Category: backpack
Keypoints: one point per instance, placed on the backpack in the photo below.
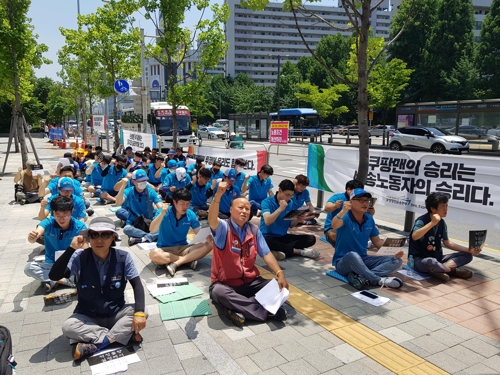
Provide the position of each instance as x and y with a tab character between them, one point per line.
7	362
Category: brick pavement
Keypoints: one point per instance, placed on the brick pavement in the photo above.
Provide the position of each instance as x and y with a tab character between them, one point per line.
453	326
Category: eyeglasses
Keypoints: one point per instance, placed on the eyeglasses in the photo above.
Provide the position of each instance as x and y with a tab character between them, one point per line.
103	235
362	200
62	217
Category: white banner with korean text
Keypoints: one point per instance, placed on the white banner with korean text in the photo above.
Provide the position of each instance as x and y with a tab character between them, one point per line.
138	141
404	179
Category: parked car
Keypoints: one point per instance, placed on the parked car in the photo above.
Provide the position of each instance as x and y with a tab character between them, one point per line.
352	130
418	138
336	129
494	132
378	130
469	131
211	132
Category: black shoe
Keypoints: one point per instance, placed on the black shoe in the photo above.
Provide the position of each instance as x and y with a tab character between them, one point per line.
90	212
135	339
134	241
83	350
172	268
280	315
356	281
237	318
122	223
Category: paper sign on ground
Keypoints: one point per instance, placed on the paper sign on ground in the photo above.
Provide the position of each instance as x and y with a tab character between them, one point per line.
201	236
147	245
414	275
271	298
161	290
173	282
375	302
112	361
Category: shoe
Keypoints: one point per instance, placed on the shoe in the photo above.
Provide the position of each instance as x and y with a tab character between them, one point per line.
463	273
237	318
193	264
68	282
440	275
50	286
136	338
90	212
83	350
310	222
310	253
280	315
279	255
122	223
172	268
202	214
134	241
391	282
356	281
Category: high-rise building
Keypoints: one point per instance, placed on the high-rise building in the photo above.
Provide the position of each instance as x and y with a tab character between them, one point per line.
257	38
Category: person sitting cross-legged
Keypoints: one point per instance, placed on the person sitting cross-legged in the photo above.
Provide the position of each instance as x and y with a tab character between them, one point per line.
101	272
427	237
354	227
172	224
235	279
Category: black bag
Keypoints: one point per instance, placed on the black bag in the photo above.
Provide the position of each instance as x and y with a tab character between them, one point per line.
7	361
143	222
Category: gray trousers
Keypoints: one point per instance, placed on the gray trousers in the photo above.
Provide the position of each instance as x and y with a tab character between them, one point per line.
38	271
81	328
241	298
433	265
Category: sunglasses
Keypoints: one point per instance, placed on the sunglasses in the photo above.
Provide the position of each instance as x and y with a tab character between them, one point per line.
103	235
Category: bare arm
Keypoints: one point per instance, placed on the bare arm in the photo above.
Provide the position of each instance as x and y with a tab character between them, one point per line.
18	175
330	206
457	247
35	234
419	233
337	220
43	213
121	190
269	218
272	263
213	211
158	173
244	187
89	170
155	224
270	192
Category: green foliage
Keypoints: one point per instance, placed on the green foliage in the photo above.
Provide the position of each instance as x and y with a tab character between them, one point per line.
322	99
488	57
132	119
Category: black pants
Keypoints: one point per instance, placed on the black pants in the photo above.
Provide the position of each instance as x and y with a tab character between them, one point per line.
288	242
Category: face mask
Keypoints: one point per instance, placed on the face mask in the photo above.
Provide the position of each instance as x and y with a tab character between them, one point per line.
119	167
172	169
215	171
142	185
239	169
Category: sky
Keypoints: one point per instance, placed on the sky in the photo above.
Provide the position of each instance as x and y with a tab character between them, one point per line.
48	15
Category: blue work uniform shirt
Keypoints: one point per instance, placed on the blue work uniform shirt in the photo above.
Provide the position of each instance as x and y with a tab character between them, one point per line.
151	174
280	226
171	180
228	196
257	189
217	176
57	239
52	186
240	178
109	181
96	175
334	198
136	203
353	236
199	194
299	199
79	209
174	232
220	236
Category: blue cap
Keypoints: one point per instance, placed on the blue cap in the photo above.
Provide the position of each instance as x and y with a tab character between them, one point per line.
358	193
181	164
140	175
65	183
231	174
171	152
172	164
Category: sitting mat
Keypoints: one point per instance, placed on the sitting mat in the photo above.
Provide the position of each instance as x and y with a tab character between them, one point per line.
114	209
181	292
337	276
324	239
184	309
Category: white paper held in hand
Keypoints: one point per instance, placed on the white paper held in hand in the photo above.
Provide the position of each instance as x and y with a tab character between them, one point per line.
271	298
201	236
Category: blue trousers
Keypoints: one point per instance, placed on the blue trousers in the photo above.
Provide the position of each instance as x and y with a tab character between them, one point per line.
370	267
131	231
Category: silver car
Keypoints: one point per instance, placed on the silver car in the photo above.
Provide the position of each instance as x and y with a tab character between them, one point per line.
210	132
427	139
378	131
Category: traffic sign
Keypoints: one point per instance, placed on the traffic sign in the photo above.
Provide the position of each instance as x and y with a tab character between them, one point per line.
121	86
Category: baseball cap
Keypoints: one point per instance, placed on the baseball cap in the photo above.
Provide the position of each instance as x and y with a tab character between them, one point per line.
230	173
65	183
140	175
171	152
180	173
358	193
181	164
100	224
172	164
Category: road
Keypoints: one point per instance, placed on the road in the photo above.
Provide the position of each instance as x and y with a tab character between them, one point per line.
291	160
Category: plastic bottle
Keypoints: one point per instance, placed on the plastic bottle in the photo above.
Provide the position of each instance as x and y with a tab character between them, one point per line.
411	265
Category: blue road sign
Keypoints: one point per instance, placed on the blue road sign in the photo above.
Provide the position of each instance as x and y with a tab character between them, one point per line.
121	86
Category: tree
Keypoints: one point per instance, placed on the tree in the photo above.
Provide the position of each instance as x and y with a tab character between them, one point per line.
19	53
451	40
322	99
488	56
176	43
410	45
41	89
290	77
359	14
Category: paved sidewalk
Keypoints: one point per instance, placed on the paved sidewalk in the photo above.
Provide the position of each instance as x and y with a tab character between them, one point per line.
427	327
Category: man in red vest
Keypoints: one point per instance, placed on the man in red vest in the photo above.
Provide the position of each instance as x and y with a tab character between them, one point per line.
235	278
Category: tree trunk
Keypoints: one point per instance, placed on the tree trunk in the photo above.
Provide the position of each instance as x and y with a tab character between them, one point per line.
364	151
172	100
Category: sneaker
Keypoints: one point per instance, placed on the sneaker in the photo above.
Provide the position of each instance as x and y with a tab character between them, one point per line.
310	253
90	212
279	255
83	350
202	214
193	264
356	281
463	273
440	275
310	222
237	318
280	315
50	286
134	241
102	201
172	268
136	338
68	282
391	282
122	223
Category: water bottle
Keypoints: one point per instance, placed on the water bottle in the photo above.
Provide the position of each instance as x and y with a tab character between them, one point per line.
411	265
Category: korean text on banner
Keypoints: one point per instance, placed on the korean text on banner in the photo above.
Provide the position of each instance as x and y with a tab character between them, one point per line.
138	141
279	132
255	158
99	122
403	180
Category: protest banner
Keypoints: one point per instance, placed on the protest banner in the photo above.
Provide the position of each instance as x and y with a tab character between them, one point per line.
255	158
403	180
138	141
279	133
99	122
